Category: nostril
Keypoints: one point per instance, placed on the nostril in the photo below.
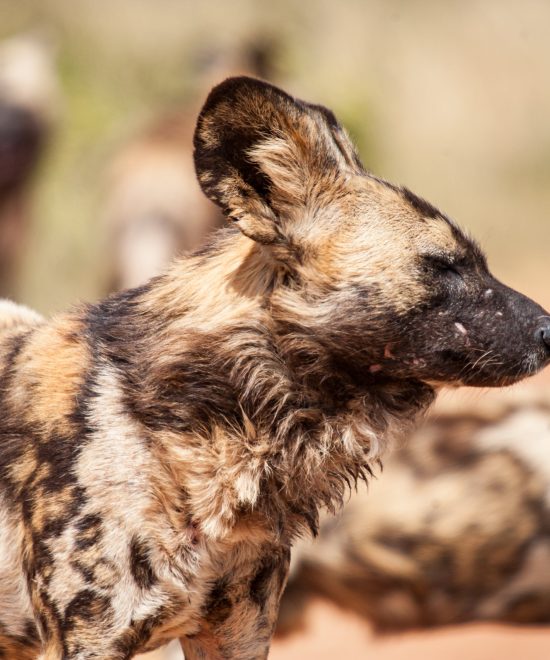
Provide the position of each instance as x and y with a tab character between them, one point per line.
544	335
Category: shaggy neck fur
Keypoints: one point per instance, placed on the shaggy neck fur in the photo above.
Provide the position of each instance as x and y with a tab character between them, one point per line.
234	395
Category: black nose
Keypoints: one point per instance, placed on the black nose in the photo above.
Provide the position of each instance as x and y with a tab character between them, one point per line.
544	334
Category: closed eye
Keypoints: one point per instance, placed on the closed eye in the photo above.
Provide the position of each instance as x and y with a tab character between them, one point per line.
443	266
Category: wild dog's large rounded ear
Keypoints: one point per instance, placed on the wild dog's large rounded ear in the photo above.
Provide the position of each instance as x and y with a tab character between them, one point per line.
260	153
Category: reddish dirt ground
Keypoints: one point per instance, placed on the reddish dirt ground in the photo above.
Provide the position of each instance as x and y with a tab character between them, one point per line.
331	633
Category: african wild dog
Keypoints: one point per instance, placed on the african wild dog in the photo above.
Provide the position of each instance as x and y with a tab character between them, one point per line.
161	449
456	530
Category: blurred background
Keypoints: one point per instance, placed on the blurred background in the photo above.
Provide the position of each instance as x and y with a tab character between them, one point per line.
450	98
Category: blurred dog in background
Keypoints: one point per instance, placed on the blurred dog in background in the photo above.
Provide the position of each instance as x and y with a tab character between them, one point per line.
154	207
29	98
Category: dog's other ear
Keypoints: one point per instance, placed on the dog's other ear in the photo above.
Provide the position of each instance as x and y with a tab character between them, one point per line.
261	155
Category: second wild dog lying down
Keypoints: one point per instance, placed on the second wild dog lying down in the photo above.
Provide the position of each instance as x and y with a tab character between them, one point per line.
161	450
456	529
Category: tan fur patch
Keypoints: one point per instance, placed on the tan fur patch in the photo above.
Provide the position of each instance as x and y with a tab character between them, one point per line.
52	368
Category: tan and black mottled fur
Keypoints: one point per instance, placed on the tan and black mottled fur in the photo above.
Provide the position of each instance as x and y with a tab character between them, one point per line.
160	450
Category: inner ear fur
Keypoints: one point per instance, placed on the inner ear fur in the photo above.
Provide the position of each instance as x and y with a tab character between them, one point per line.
259	152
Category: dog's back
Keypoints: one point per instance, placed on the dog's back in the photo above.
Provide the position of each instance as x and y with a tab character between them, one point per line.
16	317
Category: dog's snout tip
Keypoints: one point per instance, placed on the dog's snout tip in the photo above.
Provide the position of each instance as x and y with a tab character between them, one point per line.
543	334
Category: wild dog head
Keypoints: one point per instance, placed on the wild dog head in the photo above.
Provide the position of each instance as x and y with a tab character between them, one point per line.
375	280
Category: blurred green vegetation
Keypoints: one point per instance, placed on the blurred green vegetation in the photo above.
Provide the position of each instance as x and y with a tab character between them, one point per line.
422	86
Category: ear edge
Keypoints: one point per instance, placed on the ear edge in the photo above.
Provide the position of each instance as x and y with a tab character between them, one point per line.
234	86
340	136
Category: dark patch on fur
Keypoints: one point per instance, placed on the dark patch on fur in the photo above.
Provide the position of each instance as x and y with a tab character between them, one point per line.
86	606
11	444
43	560
88	531
140	565
53	527
137	635
260	584
60	455
218	606
19	644
16	345
31	633
114	317
87	392
188	394
87	572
